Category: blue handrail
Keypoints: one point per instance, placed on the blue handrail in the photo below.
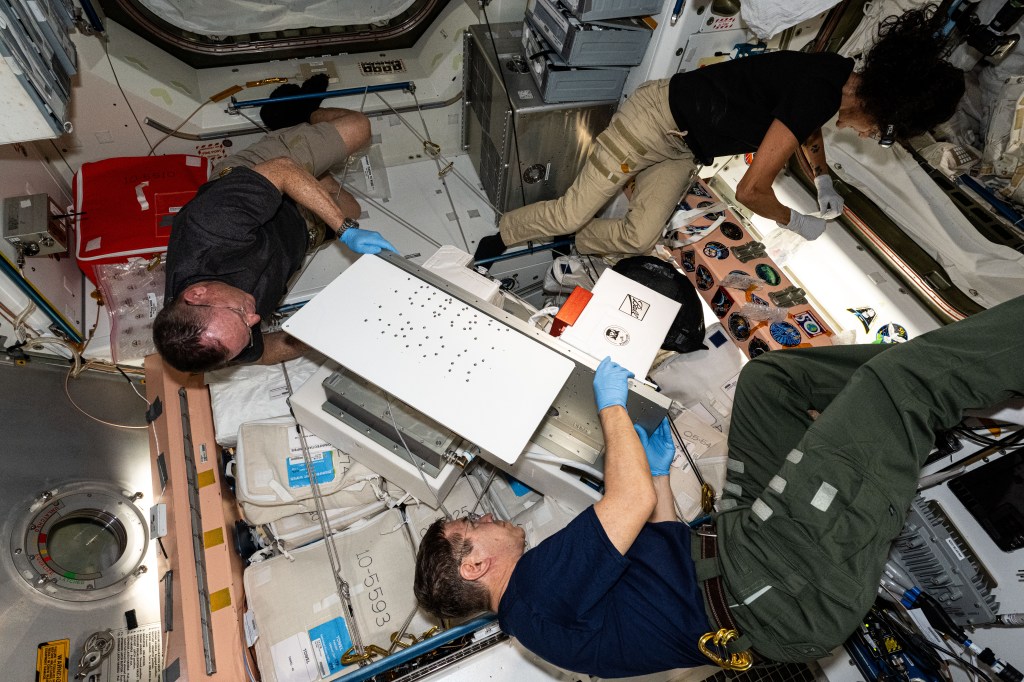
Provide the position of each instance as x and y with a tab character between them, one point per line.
26	288
411	652
245	104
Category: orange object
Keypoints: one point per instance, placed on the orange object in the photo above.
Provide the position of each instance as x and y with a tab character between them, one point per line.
217	515
570	310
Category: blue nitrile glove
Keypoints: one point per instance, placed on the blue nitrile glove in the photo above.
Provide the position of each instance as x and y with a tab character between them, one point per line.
610	384
660	448
365	241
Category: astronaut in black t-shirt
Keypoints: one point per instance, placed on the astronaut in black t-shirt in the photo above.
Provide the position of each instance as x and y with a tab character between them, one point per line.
235	245
772	104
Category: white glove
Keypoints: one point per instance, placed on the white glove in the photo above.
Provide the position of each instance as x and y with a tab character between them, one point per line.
829	201
807	226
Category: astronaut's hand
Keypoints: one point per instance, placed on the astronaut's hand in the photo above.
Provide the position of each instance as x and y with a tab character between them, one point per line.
829	201
365	241
660	448
611	385
807	226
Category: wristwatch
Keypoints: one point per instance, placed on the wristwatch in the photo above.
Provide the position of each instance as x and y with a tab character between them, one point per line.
347	223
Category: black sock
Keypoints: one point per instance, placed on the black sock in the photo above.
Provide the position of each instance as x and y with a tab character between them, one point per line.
565	249
277	115
489	247
315	83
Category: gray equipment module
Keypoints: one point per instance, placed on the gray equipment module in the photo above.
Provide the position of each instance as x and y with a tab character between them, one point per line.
591	10
614	42
559	82
523	149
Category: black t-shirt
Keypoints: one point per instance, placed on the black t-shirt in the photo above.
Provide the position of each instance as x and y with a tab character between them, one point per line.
726	108
240	230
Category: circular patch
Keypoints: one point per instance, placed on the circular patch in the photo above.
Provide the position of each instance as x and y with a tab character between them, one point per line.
704	279
767	274
617	336
721	302
891	333
716	250
739	326
687	260
710	216
757	347
732	231
785	334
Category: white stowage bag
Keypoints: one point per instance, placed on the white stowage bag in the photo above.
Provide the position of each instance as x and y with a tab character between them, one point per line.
459	502
301	529
705	380
543	520
250	392
709	451
272	481
304	629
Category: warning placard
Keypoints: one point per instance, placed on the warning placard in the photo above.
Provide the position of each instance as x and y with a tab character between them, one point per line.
52	661
137	656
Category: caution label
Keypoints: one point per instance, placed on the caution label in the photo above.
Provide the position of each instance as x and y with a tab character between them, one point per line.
52	661
138	656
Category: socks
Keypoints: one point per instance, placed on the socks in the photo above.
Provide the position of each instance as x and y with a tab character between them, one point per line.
277	115
489	247
563	250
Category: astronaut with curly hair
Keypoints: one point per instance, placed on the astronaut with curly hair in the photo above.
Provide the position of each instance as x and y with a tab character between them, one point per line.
771	104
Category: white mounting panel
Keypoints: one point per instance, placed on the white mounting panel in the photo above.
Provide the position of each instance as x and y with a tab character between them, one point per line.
487	382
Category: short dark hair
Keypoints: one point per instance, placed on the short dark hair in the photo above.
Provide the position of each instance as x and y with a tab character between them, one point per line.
178	334
905	81
439	587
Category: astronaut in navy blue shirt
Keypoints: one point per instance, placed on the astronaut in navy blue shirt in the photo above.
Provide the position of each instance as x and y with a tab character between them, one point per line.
617	580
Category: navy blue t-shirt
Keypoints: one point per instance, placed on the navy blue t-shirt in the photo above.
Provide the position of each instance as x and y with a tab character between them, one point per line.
240	230
579	604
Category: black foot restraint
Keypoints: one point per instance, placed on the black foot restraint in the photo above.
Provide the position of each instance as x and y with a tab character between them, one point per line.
489	247
565	249
277	115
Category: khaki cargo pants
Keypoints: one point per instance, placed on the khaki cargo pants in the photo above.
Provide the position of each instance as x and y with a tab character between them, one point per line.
811	508
636	144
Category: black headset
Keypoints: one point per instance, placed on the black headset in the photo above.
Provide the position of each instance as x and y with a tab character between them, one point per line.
888	135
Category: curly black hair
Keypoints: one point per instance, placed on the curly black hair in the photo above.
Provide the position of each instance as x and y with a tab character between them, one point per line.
905	81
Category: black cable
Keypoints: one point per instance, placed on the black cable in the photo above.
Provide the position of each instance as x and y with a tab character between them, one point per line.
956	657
1009	442
117	82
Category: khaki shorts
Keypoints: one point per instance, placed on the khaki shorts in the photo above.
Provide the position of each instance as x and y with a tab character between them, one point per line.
317	148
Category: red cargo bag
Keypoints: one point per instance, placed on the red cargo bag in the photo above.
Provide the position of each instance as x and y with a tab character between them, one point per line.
124	206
